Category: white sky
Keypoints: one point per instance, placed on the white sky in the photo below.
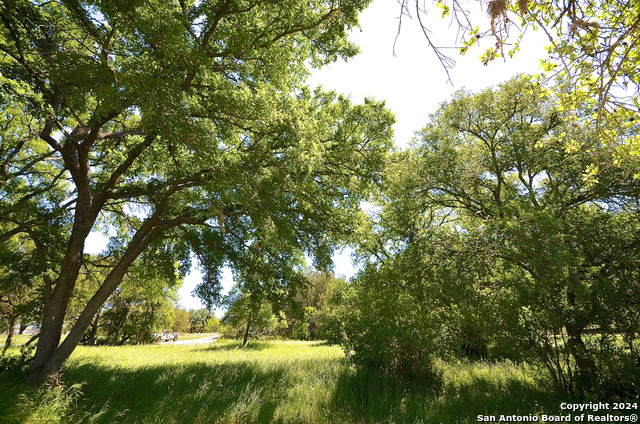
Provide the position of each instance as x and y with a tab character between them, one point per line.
413	84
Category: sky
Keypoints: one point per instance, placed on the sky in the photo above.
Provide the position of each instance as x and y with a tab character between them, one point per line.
409	78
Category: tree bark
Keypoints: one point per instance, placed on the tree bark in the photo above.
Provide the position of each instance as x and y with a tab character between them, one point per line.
94	329
143	237
61	353
579	350
586	365
249	321
10	325
87	209
246	331
57	302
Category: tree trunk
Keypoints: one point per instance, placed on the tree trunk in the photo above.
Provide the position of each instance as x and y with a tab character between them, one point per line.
23	327
59	354
11	324
93	332
249	321
87	209
579	350
56	303
246	332
50	354
585	364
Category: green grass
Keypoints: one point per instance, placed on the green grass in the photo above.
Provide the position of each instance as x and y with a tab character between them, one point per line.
275	381
17	340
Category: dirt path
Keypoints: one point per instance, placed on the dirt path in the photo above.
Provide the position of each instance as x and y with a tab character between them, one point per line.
203	340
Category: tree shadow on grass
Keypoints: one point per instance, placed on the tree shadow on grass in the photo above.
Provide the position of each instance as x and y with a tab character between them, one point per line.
192	393
11	389
237	345
364	397
195	390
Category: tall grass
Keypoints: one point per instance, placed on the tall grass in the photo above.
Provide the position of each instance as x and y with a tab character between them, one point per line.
283	381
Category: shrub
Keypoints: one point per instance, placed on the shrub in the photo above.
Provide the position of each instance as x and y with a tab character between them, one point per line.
388	330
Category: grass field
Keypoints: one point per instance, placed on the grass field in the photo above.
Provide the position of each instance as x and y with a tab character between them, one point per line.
279	381
18	339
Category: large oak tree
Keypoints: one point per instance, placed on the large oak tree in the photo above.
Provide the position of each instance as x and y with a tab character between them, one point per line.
177	126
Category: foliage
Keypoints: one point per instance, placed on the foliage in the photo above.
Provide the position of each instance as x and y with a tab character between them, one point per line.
499	161
197	320
132	314
201	321
593	48
16	365
249	314
213	325
140	306
30	187
177	127
20	285
330	318
387	330
488	226
311	312
181	318
311	309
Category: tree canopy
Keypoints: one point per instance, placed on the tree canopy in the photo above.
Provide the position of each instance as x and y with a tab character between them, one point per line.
177	127
593	48
489	238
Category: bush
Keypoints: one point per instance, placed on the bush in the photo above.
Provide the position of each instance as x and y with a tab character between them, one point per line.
17	365
213	325
388	330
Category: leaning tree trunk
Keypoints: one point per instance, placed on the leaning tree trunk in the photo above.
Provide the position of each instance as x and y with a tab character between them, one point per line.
50	354
62	352
56	305
93	332
141	240
57	301
584	362
246	331
578	349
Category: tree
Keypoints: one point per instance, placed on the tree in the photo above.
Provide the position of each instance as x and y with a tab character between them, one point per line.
311	312
198	320
181	320
179	126
502	161
20	279
593	48
249	313
140	306
423	290
497	225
